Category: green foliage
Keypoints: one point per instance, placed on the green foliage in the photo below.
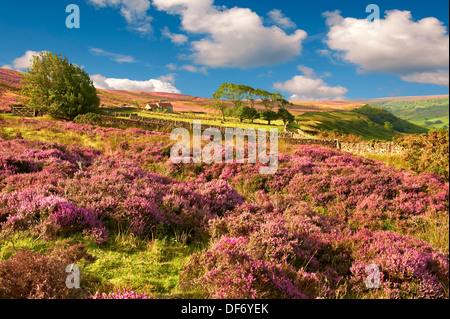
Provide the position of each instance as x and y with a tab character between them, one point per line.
285	115
381	116
268	115
58	87
89	118
219	105
418	110
428	152
231	92
245	112
237	92
388	126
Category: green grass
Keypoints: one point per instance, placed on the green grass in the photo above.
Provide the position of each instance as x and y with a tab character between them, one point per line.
394	161
137	264
206	120
125	261
432	122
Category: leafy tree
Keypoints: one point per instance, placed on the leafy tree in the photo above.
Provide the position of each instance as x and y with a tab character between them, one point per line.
268	115
388	126
265	98
219	105
277	99
247	113
58	87
285	115
250	95
231	92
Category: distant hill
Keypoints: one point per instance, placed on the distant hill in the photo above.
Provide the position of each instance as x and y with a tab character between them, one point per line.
428	111
299	108
369	122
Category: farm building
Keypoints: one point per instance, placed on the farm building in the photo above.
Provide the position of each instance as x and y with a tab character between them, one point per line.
159	106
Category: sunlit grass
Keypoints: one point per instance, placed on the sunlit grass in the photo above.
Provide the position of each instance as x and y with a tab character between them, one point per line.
393	160
125	261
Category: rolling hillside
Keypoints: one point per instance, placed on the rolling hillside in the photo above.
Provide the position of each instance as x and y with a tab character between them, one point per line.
427	111
368	122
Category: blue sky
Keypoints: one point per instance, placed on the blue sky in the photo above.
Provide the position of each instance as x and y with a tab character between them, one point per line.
307	50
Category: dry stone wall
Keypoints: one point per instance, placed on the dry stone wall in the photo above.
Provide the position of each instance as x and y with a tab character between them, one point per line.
161	125
382	148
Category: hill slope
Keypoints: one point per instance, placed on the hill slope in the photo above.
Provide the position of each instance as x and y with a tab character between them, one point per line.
367	122
427	111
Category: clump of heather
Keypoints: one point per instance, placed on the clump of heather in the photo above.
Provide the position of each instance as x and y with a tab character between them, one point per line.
26	164
48	215
121	294
125	196
261	249
409	267
228	271
363	192
275	248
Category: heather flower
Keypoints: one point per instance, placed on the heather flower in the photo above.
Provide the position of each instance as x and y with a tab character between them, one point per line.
121	294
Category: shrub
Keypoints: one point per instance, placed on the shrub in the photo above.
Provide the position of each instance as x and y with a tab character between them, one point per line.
428	152
54	85
88	118
409	268
34	275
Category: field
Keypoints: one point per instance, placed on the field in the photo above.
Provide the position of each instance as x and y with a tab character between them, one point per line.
139	226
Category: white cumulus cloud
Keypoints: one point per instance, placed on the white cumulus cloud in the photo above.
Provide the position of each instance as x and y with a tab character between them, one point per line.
233	37
174	37
396	44
440	77
278	18
134	12
152	85
309	87
23	62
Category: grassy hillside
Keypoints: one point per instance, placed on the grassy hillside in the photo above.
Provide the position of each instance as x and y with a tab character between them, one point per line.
367	122
427	111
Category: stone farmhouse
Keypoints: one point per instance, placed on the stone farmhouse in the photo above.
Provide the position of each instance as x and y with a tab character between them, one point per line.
159	106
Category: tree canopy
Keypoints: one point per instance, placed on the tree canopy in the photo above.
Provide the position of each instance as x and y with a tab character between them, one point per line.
268	115
56	86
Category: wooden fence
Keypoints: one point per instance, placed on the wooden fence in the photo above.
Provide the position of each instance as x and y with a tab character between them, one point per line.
18	110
